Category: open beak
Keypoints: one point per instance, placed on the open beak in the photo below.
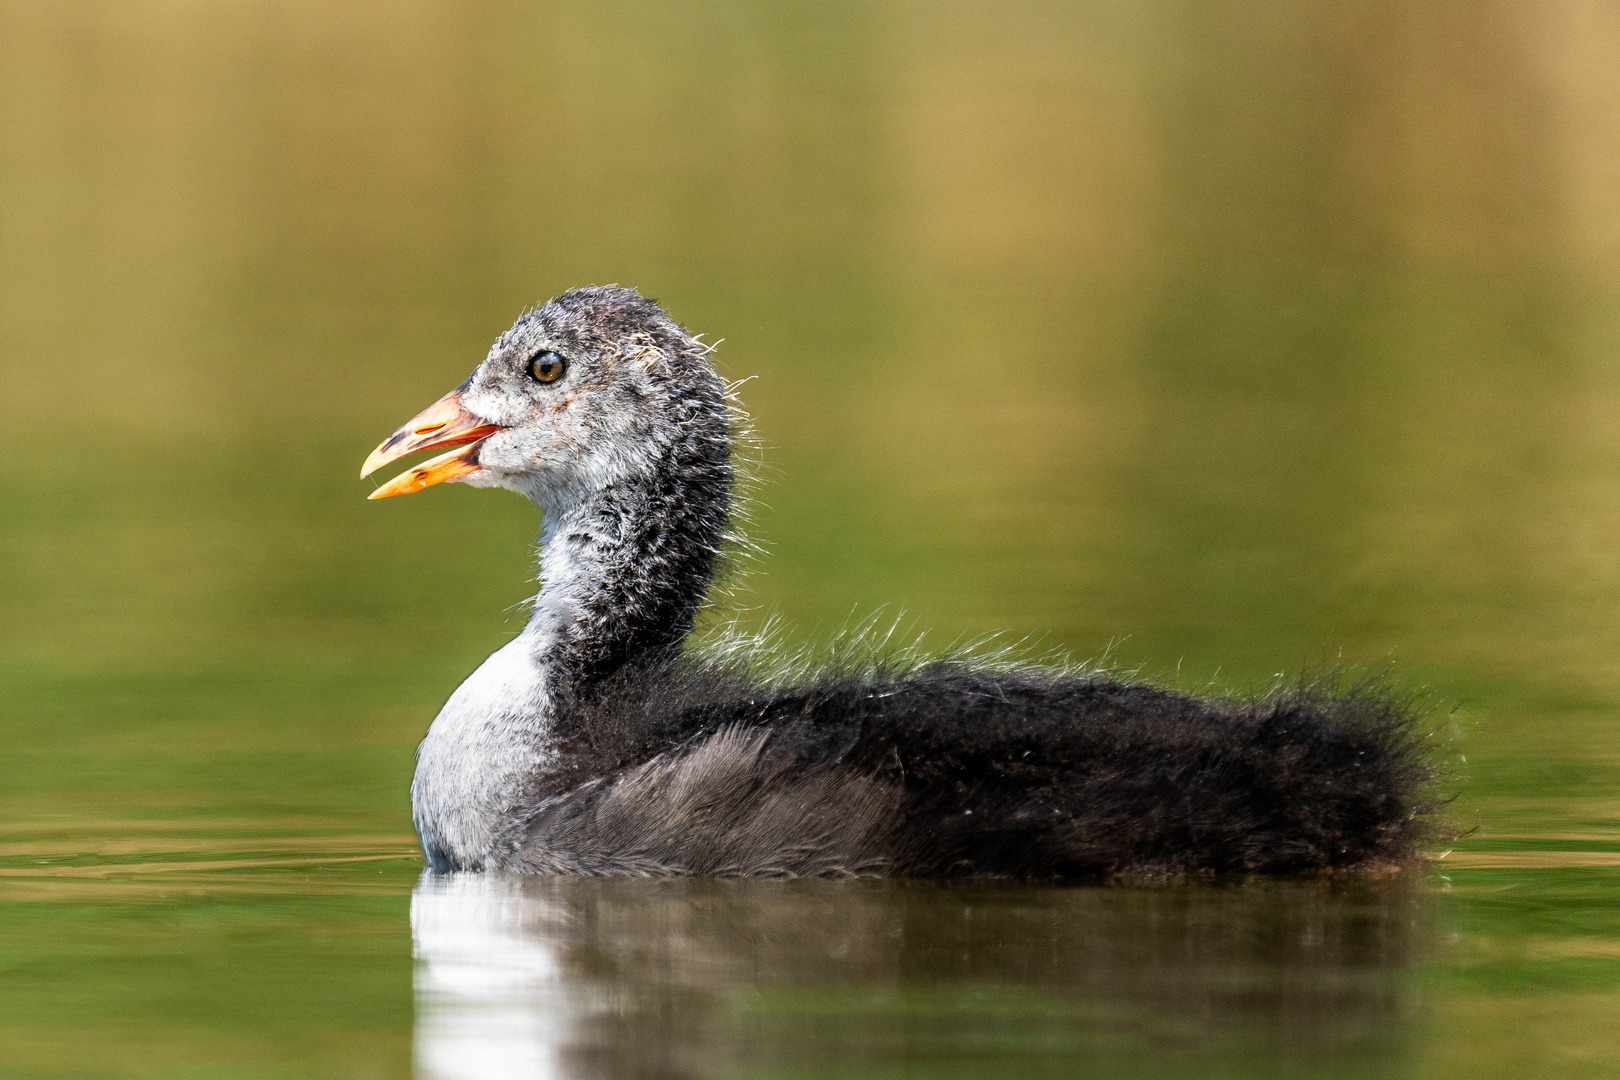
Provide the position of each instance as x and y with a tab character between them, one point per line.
444	423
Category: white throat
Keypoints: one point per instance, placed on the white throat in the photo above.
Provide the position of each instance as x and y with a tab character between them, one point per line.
613	587
490	738
498	730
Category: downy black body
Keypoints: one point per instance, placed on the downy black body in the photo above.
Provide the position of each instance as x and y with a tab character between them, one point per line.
597	743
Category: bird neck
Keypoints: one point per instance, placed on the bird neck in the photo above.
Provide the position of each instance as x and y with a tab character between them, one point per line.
626	564
624	568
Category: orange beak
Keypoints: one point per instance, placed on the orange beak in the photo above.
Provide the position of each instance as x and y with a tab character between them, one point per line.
444	423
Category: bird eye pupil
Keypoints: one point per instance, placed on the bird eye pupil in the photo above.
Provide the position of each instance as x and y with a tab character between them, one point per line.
547	367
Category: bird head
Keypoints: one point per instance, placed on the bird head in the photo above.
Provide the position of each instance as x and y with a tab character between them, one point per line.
596	385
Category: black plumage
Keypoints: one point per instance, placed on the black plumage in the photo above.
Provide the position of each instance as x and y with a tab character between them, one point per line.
948	769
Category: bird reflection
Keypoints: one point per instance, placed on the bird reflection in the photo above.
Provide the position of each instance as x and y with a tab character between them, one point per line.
523	976
488	978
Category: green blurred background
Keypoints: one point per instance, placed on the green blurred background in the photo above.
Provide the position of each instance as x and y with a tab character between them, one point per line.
1225	338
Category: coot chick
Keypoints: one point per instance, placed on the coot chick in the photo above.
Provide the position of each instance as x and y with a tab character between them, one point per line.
596	742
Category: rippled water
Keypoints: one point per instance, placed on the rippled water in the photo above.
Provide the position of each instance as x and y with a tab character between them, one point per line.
1221	339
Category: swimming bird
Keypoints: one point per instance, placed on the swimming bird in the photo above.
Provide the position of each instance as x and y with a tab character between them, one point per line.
598	742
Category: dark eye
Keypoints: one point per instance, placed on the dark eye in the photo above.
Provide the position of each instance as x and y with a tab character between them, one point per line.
547	367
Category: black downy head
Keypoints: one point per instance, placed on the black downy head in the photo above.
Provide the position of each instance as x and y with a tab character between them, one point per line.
607	414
